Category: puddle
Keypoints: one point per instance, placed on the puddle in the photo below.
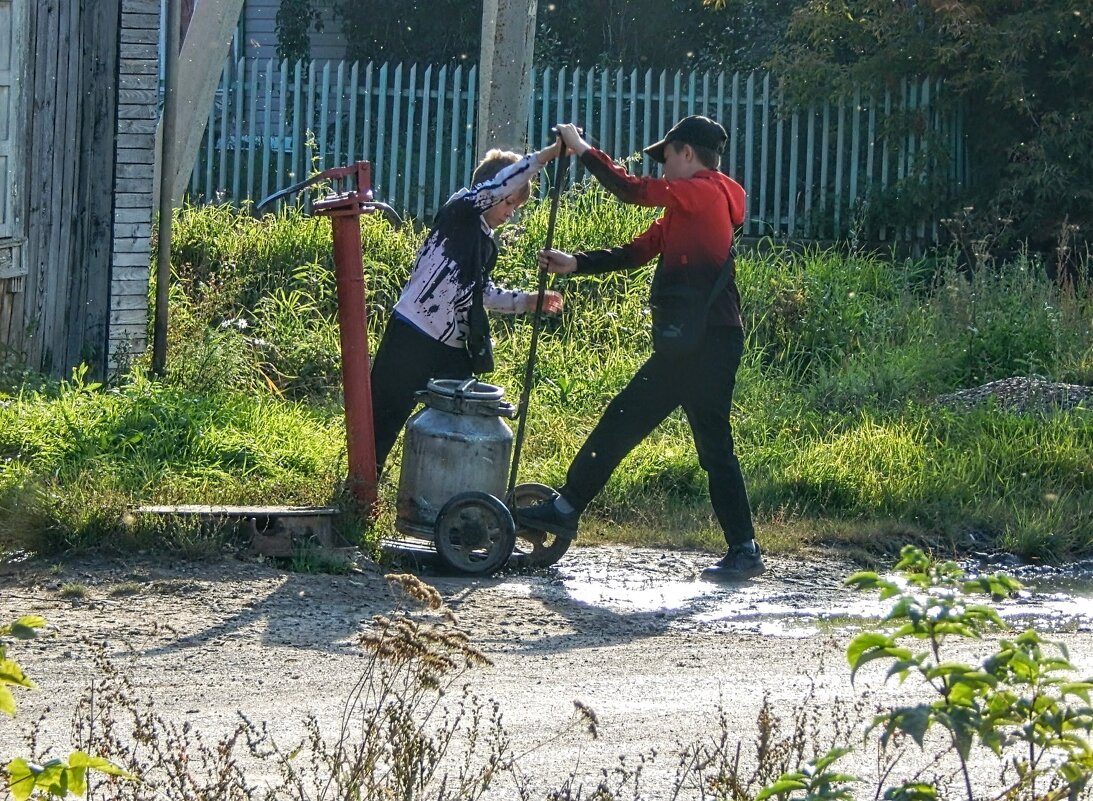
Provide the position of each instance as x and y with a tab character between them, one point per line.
793	599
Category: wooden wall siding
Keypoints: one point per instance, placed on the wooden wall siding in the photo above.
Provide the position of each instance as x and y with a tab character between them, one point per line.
69	104
258	32
137	116
88	118
12	268
11	64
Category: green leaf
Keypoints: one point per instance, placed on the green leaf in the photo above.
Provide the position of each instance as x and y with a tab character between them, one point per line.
787	784
911	792
863	580
76	781
1079	688
24	627
864	642
20	779
7	702
83	760
913	721
11	673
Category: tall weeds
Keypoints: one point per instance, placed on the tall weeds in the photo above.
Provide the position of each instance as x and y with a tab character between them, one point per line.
835	415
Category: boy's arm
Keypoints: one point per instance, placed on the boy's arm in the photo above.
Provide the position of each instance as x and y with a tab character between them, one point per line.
640	251
512	301
511	179
632	189
680	195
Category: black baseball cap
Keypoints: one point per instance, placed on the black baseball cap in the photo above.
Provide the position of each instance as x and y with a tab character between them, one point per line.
693	130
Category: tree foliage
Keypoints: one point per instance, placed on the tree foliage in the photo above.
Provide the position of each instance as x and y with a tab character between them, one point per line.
1023	69
657	34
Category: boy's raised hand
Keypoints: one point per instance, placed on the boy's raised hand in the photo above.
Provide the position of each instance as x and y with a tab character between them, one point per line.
557	261
571	135
549	152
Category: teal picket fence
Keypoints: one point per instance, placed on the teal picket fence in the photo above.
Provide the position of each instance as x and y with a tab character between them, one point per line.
810	172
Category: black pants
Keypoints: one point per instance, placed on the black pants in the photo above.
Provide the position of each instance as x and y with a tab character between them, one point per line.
703	385
404	363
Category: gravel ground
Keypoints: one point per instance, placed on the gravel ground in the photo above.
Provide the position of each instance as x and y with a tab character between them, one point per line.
631	633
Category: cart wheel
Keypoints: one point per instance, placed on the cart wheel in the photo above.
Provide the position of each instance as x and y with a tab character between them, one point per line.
535	548
474	533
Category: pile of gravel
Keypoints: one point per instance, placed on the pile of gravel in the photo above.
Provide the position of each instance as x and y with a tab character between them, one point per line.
1022	394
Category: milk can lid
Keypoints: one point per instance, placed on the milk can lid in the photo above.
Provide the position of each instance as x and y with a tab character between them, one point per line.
465	389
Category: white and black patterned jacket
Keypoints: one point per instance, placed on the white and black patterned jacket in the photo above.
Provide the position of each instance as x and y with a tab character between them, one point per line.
460	247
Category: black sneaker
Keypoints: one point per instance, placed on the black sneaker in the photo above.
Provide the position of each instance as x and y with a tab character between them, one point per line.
743	561
546	517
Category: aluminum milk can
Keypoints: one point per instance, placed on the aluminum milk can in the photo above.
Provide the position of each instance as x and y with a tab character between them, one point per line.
457	442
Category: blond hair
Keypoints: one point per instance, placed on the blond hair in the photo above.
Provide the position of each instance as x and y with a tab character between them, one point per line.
492	163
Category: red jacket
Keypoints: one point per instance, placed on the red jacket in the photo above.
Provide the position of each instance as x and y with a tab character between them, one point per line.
692	238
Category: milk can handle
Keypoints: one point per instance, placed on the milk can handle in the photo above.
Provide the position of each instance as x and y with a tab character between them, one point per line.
464	386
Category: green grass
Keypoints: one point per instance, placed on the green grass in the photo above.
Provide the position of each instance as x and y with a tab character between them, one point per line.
835	423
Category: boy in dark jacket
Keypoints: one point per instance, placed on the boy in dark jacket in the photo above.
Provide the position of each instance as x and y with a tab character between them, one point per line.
693	240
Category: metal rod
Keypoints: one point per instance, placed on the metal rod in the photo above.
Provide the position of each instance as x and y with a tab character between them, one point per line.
171	48
529	369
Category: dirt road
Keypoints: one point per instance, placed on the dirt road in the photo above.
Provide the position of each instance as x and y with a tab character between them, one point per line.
632	633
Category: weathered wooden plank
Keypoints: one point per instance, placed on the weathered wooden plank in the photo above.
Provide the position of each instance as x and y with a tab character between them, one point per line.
140	66
131	245
132	266
133	215
407	143
734	128
221	184
391	157
126	339
252	121
132	230
143	171
138	98
764	158
454	150
139	35
130	200
125	185
136	125
422	156
268	95
147	22
141	7
53	73
135	112
777	217
128	317
98	106
11	303
339	99
134	300
136	148
134	285
749	153
147	82
238	102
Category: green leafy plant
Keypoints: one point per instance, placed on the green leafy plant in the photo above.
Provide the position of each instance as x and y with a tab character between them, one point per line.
59	778
1019	704
11	675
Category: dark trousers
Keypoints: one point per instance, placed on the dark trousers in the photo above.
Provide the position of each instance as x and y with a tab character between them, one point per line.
703	385
404	363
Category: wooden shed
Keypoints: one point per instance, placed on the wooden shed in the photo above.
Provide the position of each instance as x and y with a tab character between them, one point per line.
78	115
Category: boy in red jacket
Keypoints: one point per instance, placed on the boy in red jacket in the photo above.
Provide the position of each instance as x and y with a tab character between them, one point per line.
693	240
